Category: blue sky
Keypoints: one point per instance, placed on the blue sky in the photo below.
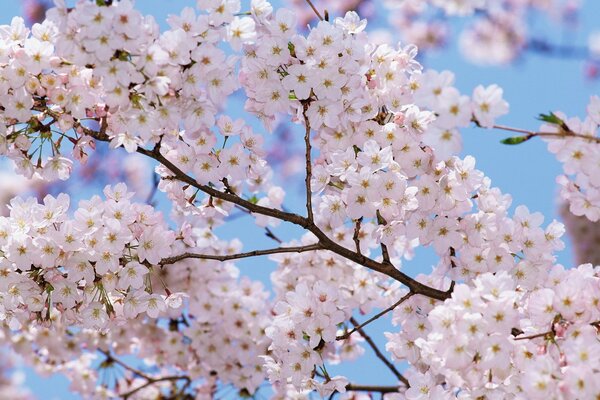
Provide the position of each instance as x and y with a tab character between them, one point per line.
532	85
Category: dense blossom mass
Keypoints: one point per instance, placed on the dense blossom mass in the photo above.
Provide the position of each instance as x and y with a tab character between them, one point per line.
82	287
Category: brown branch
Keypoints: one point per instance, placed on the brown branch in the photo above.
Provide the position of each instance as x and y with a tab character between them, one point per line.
563	134
372	388
152	381
110	359
315	9
254	253
308	178
355	236
379	354
375	317
326	242
537	335
385	254
269	233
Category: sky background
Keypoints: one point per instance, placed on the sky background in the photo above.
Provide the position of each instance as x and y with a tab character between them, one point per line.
532	85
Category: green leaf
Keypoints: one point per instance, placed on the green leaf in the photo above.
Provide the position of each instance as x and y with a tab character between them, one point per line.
551	118
515	140
253	199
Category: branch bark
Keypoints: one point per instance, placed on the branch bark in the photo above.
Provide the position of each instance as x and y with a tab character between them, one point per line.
372	388
564	135
375	317
308	178
254	253
326	242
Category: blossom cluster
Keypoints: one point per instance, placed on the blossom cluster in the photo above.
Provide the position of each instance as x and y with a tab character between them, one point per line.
494	339
383	177
304	325
89	267
492	33
215	331
576	145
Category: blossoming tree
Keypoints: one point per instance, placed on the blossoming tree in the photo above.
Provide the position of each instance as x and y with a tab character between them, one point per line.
82	288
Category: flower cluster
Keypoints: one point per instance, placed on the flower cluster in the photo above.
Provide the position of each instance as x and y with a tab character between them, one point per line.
91	268
217	334
381	137
495	339
493	32
577	146
304	327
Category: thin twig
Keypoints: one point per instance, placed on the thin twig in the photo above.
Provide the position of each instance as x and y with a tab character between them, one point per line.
308	179
372	388
356	234
254	253
315	9
269	233
379	354
111	359
537	335
152	381
375	317
155	181
563	134
326	242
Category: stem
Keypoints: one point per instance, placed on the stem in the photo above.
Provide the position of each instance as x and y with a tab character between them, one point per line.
537	335
308	163
254	253
152	381
564	134
326	242
314	9
111	359
355	236
372	388
375	317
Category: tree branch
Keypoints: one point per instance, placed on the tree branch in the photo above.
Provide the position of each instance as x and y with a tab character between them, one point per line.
326	242
564	134
535	336
315	9
110	359
309	209
254	253
379	354
375	317
355	236
372	388
152	381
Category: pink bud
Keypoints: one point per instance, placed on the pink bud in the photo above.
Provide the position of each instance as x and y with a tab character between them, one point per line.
399	119
55	62
541	350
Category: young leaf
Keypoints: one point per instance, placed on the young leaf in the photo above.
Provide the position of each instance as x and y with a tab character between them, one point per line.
515	140
551	118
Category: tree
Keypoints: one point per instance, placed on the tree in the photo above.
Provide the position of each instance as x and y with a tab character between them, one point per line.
82	290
